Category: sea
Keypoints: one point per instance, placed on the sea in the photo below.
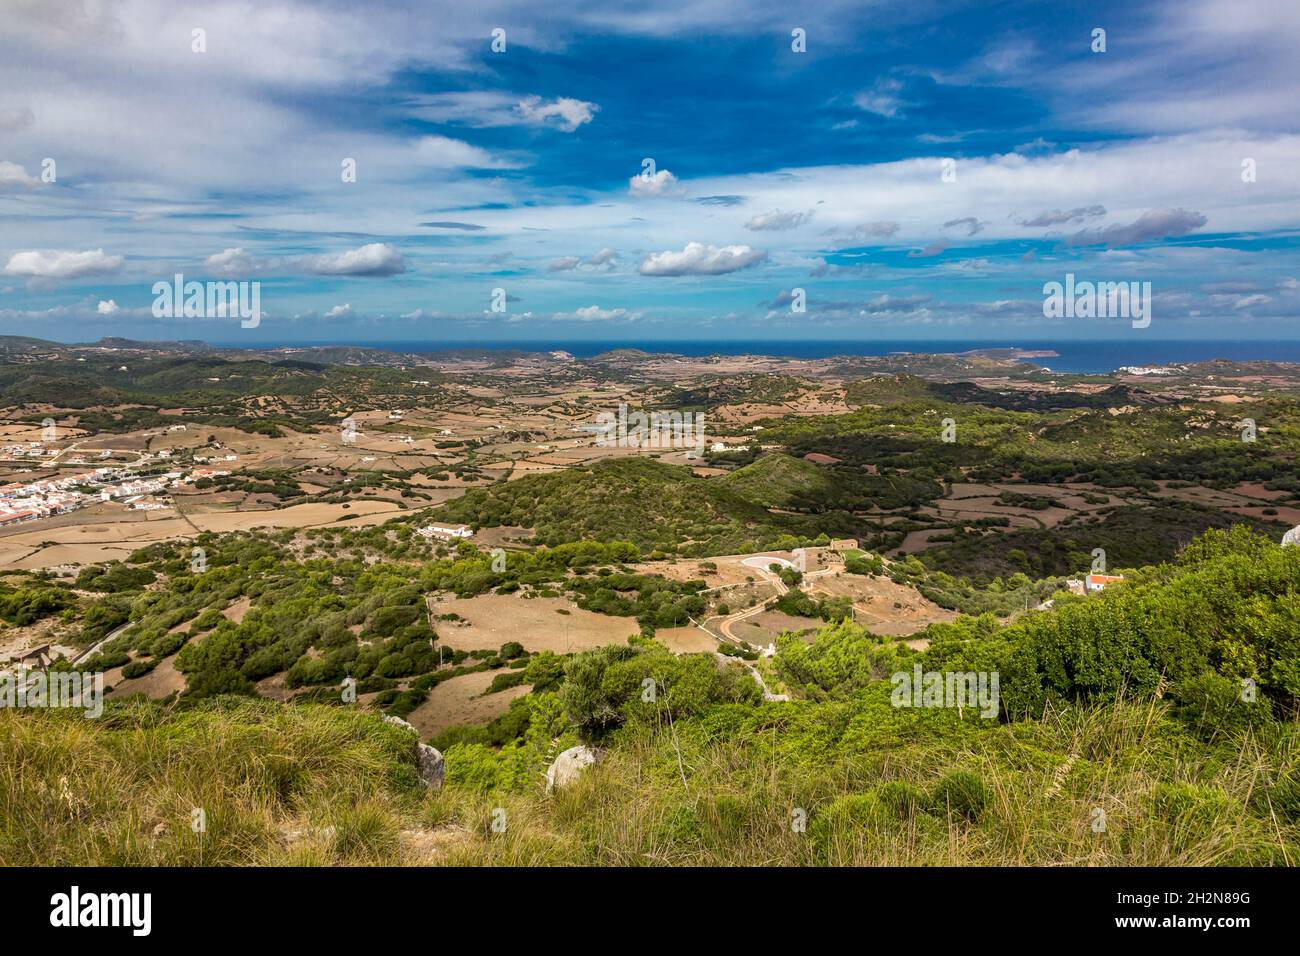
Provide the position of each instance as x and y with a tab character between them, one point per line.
1080	357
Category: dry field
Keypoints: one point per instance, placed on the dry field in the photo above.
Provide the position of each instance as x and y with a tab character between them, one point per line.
493	619
763	628
686	640
158	683
104	532
461	702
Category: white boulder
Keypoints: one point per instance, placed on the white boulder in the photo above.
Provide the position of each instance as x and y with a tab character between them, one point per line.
569	765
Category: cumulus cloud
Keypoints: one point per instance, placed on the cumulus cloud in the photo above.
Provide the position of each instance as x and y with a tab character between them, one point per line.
62	264
662	183
564	113
1055	217
1151	225
372	259
565	264
109	307
594	313
233	262
12	175
605	257
698	259
340	312
777	220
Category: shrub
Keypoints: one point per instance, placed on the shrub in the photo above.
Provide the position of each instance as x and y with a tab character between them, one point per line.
504	681
960	793
139	668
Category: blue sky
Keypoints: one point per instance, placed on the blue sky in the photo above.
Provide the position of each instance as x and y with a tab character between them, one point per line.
774	170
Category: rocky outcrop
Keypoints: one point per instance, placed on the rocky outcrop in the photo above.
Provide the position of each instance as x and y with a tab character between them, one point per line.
428	760
569	765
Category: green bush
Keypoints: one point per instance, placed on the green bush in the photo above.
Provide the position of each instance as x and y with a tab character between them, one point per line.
960	793
139	668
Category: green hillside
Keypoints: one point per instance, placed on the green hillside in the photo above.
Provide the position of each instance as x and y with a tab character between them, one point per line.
658	507
1125	739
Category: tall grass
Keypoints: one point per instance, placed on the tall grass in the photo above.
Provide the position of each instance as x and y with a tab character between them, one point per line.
316	785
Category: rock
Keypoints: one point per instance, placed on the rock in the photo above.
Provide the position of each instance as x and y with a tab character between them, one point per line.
569	765
433	770
399	722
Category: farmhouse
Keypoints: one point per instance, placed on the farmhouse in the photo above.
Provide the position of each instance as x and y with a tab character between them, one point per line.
1098	582
445	531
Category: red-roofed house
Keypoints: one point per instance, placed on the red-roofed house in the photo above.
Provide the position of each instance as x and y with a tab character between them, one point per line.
1097	582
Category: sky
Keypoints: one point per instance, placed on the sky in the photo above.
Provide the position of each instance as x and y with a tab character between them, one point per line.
515	173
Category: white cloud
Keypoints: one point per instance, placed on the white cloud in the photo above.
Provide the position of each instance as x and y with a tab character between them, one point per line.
11	174
594	313
662	183
1249	301
481	108
61	264
109	307
372	259
699	259
340	312
443	152
568	112
882	99
233	262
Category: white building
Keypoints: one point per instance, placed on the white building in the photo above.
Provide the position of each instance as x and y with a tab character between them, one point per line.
445	531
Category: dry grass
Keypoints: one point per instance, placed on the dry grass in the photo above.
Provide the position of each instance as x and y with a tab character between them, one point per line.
312	785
